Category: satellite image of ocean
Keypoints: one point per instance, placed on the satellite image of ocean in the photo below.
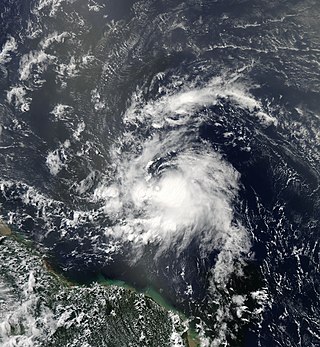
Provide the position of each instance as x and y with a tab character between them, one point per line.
160	173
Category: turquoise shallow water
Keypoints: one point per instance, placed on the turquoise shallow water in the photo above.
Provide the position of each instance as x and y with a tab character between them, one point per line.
150	292
64	313
172	144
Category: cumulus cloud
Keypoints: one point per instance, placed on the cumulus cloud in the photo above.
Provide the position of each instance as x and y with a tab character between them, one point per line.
183	103
8	48
56	160
17	96
169	187
34	59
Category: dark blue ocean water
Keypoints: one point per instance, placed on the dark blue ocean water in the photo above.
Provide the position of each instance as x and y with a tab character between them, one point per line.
71	72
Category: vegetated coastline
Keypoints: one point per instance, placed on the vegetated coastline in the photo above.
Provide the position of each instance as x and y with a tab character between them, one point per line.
190	336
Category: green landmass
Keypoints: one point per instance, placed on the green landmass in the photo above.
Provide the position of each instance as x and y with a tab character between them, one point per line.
41	308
